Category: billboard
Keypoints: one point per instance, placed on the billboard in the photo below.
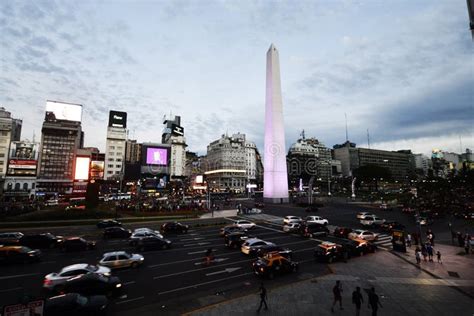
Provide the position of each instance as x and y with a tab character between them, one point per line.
24	150
65	111
82	168
157	156
177	130
97	169
117	119
22	159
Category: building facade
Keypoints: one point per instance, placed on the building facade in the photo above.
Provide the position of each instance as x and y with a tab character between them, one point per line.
115	145
133	151
10	130
422	164
173	135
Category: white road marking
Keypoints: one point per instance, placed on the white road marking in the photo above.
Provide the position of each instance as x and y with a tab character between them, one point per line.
11	290
228	270
190	239
17	276
213	261
128	283
196	252
130	300
197	244
204	283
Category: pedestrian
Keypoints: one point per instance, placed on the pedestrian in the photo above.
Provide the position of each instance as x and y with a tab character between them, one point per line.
467	247
357	300
438	255
418	255
460	239
263	298
374	302
423	252
429	250
409	240
337	291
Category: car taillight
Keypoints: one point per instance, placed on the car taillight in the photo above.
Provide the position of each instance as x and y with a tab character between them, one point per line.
47	282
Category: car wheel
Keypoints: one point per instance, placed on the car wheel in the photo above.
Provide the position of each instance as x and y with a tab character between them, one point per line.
134	265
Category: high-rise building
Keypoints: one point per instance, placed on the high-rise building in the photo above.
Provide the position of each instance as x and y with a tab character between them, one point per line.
115	145
133	151
10	130
275	183
61	136
422	164
173	134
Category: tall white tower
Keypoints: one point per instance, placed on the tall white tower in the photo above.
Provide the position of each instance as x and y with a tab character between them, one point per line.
275	177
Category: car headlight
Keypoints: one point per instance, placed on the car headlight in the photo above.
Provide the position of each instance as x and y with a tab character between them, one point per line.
107	274
118	285
141	259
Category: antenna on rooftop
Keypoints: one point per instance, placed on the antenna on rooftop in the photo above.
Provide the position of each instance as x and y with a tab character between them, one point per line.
460	144
347	134
368	138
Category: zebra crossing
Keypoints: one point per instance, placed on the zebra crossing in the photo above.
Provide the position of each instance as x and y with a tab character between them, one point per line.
384	240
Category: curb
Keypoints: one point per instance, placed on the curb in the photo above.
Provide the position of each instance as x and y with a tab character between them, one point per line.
459	289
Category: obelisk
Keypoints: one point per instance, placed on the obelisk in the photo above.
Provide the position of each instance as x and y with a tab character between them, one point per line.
275	177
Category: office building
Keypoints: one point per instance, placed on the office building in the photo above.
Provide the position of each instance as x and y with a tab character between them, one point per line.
422	164
173	135
10	130
133	151
115	145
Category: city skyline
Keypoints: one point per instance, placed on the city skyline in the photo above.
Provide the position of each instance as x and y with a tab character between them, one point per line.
403	73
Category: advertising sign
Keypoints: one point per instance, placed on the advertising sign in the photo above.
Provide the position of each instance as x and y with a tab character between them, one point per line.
23	150
117	119
82	168
32	308
398	241
177	130
65	111
157	156
97	169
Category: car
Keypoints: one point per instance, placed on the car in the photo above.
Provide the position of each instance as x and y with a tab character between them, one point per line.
292	219
245	224
174	227
42	240
342	232
385	207
116	232
93	284
291	227
74	304
362	215
424	220
10	238
108	223
235	240
55	280
76	243
152	242
272	264
147	230
121	259
330	252
354	247
363	234
139	235
388	226
312	229
312	208
250	246
469	216
18	254
52	202
230	229
372	220
285	252
316	219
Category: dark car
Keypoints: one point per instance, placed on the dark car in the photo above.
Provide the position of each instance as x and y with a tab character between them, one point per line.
93	284
313	229
10	238
152	242
44	240
174	227
391	225
342	232
231	229
284	252
235	240
73	304
355	247
330	252
272	264
18	254
76	244
108	223
116	232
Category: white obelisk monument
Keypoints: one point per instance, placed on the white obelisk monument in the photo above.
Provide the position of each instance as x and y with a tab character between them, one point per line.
275	177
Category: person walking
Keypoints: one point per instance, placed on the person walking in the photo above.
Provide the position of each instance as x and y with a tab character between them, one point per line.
418	255
263	298
337	291
374	302
409	240
438	255
429	250
423	252
357	300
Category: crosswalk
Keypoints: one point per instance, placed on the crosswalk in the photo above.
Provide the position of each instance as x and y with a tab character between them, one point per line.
384	240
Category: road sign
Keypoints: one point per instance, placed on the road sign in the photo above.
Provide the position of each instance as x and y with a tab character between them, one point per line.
33	308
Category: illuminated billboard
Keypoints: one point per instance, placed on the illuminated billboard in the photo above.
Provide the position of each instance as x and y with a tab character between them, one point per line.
82	168
65	111
22	159
117	119
97	169
157	156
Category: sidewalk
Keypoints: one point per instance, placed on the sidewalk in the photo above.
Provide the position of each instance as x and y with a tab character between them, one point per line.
403	289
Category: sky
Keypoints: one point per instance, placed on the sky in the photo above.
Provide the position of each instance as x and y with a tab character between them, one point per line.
402	70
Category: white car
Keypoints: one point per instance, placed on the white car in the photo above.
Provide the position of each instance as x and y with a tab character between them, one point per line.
148	230
292	219
372	220
253	244
316	219
363	234
245	224
55	280
137	236
121	259
291	227
362	215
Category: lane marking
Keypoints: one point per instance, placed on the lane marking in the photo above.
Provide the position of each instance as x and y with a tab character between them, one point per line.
191	239
228	270
130	282
11	290
130	300
196	252
204	283
17	276
197	244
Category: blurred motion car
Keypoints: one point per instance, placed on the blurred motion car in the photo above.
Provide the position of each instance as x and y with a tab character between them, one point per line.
273	264
10	238
251	246
76	244
116	232
121	259
291	227
93	284
74	304
363	234
19	254
55	280
153	243
174	227
108	223
42	240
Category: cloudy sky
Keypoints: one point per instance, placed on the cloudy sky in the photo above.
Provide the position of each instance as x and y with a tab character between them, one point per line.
402	69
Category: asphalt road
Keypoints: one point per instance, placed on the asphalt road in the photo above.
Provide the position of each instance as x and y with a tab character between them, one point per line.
175	280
